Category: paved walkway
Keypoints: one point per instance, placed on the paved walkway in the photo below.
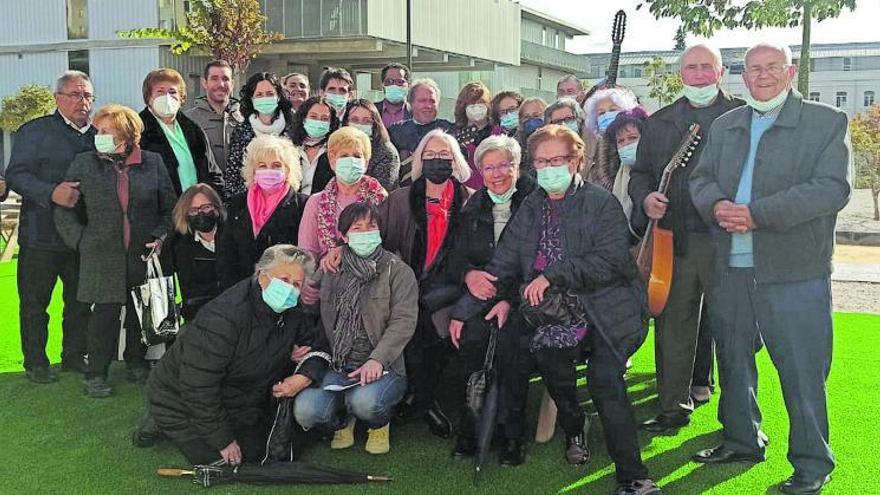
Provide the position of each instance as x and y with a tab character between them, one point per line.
856	224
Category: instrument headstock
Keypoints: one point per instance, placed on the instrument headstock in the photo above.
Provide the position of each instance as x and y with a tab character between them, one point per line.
618	29
689	145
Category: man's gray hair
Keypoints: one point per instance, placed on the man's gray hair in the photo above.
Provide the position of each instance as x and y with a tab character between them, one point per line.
70	75
765	45
287	254
503	143
566	78
716	53
419	83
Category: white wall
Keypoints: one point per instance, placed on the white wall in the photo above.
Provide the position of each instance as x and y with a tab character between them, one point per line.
30	68
118	74
34	21
106	17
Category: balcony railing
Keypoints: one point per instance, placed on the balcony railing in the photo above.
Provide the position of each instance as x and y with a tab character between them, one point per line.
544	55
316	18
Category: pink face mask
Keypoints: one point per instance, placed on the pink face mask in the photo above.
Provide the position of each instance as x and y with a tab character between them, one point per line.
269	179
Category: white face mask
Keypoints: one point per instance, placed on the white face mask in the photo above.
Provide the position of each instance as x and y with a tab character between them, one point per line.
476	112
766	106
700	97
166	105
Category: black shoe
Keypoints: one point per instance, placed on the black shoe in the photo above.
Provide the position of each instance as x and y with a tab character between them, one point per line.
576	450
137	374
438	422
406	409
97	387
465	446
722	455
798	486
146	433
512	453
41	374
638	487
666	423
77	364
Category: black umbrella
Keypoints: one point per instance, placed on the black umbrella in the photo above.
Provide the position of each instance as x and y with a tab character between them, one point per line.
277	473
482	402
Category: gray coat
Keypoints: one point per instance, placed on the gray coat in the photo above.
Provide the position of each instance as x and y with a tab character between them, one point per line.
94	226
218	127
802	178
390	309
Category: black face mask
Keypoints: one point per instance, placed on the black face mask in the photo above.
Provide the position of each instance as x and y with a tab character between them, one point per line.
437	170
203	222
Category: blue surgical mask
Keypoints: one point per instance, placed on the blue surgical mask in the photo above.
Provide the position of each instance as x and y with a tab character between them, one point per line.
605	120
104	143
395	94
627	153
510	120
350	169
700	97
364	243
280	296
572	124
766	106
501	198
316	129
531	125
554	179
337	101
266	105
365	128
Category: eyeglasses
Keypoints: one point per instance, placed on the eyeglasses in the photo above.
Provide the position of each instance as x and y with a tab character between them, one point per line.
504	111
772	71
502	168
205	208
555	161
394	82
79	96
430	155
563	120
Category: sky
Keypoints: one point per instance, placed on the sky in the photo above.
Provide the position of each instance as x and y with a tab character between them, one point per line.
644	32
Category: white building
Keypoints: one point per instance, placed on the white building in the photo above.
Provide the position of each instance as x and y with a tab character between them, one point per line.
846	75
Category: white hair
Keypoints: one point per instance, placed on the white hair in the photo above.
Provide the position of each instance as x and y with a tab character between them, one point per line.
622	97
716	53
419	83
285	254
460	168
503	143
765	45
70	75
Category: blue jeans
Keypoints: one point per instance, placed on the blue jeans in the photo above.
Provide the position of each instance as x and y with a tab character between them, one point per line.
371	403
794	320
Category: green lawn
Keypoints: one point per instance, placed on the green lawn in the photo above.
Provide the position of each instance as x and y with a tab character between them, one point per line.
55	440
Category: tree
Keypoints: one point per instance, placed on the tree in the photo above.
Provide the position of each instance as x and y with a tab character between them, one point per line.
680	39
704	17
865	133
230	30
31	101
663	85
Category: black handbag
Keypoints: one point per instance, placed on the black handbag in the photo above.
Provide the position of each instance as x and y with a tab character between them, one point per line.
553	310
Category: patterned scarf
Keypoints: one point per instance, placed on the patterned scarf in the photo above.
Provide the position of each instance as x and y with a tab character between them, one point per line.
354	277
369	191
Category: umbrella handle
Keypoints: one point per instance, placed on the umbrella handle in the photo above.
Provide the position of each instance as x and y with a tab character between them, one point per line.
379	478
174	472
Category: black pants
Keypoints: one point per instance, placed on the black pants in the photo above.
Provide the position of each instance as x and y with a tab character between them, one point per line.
426	355
605	383
704	360
103	338
38	270
468	358
251	440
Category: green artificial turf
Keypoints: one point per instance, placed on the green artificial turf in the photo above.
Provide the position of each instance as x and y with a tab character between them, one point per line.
55	440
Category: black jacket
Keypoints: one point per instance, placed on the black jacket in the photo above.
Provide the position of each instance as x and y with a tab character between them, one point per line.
238	250
219	372
406	136
196	269
153	139
661	136
598	266
41	154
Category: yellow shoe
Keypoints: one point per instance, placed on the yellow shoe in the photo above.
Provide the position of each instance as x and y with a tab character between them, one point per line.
377	441
344	438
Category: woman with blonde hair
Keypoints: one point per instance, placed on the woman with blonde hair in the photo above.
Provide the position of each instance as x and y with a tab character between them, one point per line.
123	214
268	212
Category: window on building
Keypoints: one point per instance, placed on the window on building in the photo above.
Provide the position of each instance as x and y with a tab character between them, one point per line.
736	68
869	98
814	96
78	60
77	19
841	99
544	36
847	64
637	72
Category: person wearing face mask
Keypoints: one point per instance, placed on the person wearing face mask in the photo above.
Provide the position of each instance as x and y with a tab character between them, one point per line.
124	213
419	223
348	150
531	118
600	110
337	88
210	394
266	112
505	113
683	343
369	312
484	221
198	219
568	245
384	164
472	123
168	131
313	124
771	181
267	213
394	108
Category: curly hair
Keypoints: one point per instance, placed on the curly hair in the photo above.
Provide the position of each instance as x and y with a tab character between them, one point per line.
472	92
635	117
246	103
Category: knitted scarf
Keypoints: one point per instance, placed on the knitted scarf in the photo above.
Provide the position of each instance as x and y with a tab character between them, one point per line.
355	275
273	129
369	191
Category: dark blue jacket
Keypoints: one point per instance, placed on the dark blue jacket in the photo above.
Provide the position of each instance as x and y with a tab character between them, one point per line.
41	155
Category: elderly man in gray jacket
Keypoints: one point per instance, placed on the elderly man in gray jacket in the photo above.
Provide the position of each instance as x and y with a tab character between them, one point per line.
771	180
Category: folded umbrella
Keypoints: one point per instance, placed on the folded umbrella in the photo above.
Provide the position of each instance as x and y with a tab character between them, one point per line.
277	473
482	402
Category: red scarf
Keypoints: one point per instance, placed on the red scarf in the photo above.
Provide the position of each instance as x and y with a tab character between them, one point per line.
369	191
262	206
438	222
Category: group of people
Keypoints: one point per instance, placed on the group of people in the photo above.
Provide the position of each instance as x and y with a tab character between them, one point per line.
359	257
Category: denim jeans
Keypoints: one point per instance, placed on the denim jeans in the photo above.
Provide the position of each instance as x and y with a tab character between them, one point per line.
371	403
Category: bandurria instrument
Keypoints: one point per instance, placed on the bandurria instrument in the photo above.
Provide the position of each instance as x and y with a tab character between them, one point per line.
656	249
618	29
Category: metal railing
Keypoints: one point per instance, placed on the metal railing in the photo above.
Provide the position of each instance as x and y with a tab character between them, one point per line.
545	55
